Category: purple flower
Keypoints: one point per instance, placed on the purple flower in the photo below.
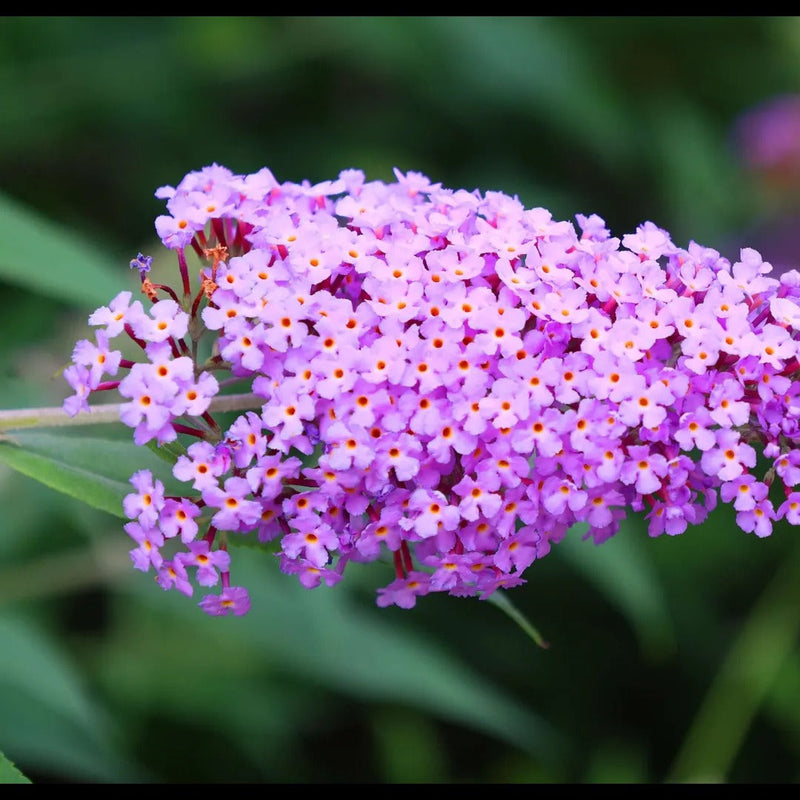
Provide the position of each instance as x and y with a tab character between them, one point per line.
312	542
235	511
518	551
80	380
310	575
757	520
431	514
118	313
202	465
147	502
439	376
644	469
790	509
728	459
193	397
247	439
142	263
232	600
173	575
149	541
176	233
452	570
403	592
285	415
167	319
207	561
98	358
148	411
178	518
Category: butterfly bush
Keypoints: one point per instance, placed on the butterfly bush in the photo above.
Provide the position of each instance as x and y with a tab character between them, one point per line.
443	379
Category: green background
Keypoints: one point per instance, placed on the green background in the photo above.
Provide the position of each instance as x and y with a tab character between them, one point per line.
670	659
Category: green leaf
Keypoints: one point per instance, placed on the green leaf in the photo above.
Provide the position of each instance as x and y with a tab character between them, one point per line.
500	599
40	256
48	718
96	471
9	773
328	638
765	641
623	573
410	746
169	452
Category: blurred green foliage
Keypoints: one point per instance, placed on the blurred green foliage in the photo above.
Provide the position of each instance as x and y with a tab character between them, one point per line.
674	659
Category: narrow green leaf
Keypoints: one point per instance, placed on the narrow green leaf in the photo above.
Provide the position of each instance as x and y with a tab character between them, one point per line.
500	599
96	471
40	256
47	715
9	773
367	653
168	452
622	572
742	684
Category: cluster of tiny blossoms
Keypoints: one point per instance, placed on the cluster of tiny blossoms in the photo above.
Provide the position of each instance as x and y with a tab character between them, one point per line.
438	376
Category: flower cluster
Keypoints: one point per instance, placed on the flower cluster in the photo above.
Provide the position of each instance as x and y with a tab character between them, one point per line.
442	377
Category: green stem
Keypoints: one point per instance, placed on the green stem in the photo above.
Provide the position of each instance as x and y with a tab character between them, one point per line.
55	417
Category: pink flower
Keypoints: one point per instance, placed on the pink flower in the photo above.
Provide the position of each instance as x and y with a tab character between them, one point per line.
728	459
439	376
207	561
232	600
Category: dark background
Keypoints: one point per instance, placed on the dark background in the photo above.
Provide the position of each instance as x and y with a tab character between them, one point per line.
673	659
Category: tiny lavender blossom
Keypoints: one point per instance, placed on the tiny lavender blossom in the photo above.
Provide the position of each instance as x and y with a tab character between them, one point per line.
467	379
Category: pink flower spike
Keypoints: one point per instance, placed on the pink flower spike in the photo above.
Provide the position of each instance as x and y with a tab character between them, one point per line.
367	368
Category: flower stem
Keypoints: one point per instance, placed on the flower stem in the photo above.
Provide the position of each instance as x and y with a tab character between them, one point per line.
55	417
